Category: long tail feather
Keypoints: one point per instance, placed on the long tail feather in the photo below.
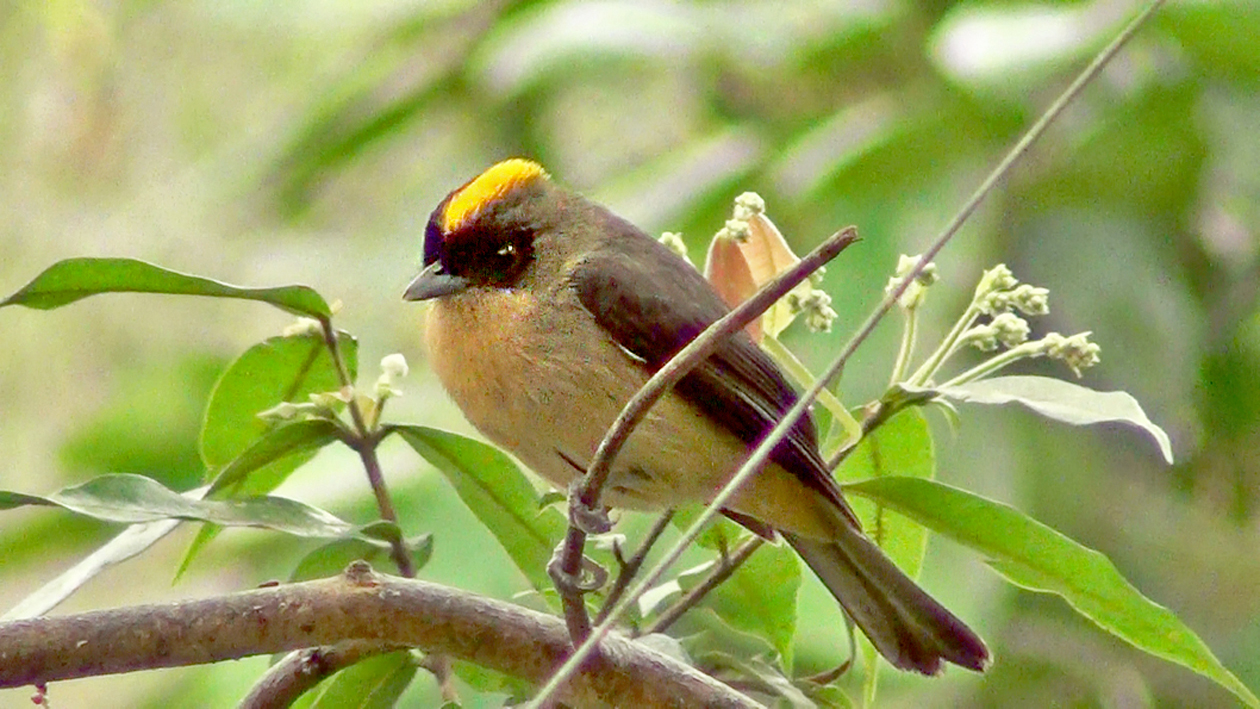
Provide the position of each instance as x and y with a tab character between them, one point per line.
906	625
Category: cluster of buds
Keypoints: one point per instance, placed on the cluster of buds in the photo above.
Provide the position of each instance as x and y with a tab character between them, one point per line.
748	252
1076	351
998	292
1001	298
748	206
326	404
815	305
912	297
1007	329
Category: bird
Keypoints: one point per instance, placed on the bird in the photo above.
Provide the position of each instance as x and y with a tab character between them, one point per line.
548	312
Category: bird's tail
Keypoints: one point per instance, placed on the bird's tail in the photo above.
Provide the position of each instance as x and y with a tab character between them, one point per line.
906	625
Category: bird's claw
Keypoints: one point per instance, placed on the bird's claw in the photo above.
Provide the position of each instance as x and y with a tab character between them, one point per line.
592	520
591	577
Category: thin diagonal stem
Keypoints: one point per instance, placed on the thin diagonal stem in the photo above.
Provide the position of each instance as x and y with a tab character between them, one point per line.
364	444
630	568
729	565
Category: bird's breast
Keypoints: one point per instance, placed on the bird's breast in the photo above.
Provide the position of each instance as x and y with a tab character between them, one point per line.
545	383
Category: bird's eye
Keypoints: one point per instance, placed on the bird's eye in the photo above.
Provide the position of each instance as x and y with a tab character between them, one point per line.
508	251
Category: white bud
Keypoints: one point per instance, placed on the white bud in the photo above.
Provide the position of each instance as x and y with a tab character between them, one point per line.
394	366
1010	329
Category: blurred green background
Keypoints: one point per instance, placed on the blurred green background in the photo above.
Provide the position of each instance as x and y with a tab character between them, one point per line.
307	141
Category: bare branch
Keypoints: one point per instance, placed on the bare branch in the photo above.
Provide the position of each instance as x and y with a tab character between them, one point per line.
358	605
631	568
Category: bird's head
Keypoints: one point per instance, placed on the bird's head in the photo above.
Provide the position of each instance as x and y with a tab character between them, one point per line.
486	233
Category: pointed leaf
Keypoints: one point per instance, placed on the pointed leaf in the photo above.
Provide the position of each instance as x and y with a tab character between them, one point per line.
74	279
498	493
757	675
1036	557
133	499
130	542
900	447
335	556
273	371
1060	400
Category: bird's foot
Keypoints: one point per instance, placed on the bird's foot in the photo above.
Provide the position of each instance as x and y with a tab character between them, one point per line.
591	577
592	520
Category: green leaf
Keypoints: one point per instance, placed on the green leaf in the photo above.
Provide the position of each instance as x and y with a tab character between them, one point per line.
300	439
1036	557
205	535
258	455
132	499
332	558
758	676
900	447
514	689
77	278
1060	400
374	683
498	493
276	370
760	597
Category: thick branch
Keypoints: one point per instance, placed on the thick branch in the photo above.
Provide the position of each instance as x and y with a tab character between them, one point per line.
358	605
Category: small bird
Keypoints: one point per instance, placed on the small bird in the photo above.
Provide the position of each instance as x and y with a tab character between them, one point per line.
549	312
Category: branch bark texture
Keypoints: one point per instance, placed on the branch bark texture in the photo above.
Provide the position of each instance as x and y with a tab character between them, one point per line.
357	605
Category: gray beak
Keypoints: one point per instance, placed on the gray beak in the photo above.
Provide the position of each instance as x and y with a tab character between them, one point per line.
434	283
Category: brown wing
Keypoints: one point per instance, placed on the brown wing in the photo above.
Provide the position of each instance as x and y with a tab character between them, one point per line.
652	303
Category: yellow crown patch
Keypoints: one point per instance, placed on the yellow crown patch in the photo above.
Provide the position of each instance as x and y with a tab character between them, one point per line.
487	187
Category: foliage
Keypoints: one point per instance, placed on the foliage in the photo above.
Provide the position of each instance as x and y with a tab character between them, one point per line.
255	144
498	493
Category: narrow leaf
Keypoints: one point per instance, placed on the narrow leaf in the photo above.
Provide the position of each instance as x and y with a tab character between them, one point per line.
498	493
1062	401
237	443
133	499
1036	557
131	541
77	278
